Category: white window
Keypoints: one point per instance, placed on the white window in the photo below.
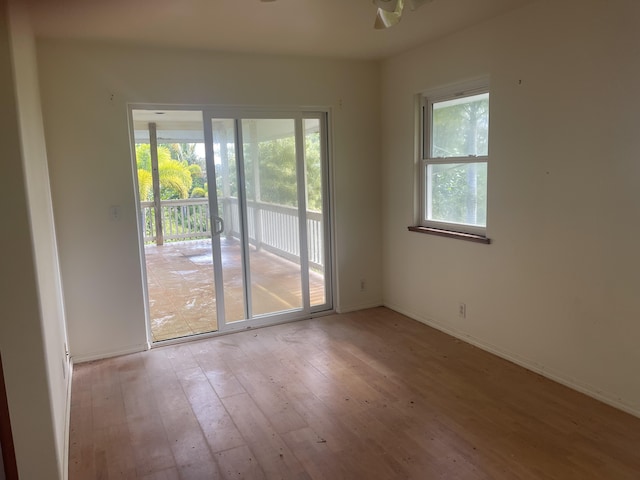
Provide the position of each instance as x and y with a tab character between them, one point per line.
455	153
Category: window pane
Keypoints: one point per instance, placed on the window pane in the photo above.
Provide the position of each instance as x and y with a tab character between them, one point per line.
315	219
460	127
273	215
224	158
457	193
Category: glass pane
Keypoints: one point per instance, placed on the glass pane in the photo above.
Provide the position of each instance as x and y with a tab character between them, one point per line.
460	127
272	213
224	159
457	193
178	254
315	233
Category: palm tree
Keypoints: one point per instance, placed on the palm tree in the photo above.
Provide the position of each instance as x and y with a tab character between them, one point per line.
175	176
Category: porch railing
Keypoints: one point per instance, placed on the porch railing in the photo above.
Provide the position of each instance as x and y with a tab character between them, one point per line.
181	220
272	227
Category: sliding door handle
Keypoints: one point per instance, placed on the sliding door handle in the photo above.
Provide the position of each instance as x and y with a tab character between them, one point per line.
218	225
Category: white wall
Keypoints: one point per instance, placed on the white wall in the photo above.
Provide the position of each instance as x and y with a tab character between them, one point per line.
558	288
85	90
31	336
42	223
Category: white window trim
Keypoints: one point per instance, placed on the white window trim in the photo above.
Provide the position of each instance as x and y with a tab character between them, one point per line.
425	102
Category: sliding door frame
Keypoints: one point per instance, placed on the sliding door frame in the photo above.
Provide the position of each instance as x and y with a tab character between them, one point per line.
237	115
209	112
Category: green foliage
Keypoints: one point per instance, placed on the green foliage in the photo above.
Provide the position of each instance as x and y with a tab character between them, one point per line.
185	152
278	173
197	176
198	192
313	171
461	129
175	180
145	184
196	171
182	172
458	191
175	177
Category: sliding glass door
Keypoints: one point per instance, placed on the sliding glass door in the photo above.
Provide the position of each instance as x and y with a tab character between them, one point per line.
245	242
270	177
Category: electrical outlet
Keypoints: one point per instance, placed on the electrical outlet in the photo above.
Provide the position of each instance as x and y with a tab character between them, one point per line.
462	310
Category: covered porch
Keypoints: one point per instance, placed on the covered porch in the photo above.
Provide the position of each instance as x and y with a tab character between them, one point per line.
180	278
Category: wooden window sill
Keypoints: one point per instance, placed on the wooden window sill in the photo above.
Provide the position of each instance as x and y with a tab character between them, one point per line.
469	237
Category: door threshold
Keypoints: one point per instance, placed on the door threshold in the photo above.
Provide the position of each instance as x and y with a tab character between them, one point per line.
208	335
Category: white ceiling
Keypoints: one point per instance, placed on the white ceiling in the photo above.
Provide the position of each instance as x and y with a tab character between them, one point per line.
330	28
187	126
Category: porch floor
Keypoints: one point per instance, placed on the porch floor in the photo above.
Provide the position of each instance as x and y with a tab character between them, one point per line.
182	298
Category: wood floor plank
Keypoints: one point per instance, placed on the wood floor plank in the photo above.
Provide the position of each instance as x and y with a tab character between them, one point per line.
186	440
214	420
316	414
168	474
239	462
200	469
315	454
372	428
249	419
269	398
181	357
275	458
224	382
120	460
150	445
83	440
368	394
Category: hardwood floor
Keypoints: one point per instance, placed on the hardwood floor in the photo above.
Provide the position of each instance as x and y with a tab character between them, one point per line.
365	395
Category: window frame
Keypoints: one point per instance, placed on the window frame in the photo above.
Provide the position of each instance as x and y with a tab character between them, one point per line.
426	100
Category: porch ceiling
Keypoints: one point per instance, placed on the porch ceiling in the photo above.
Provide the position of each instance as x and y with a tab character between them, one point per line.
185	126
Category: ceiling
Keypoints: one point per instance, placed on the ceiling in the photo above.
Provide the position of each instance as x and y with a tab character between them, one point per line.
328	28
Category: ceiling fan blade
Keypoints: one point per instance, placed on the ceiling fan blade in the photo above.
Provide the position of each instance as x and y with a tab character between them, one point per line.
386	19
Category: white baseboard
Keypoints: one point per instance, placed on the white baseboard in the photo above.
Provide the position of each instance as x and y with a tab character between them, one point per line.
89	357
361	306
556	376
